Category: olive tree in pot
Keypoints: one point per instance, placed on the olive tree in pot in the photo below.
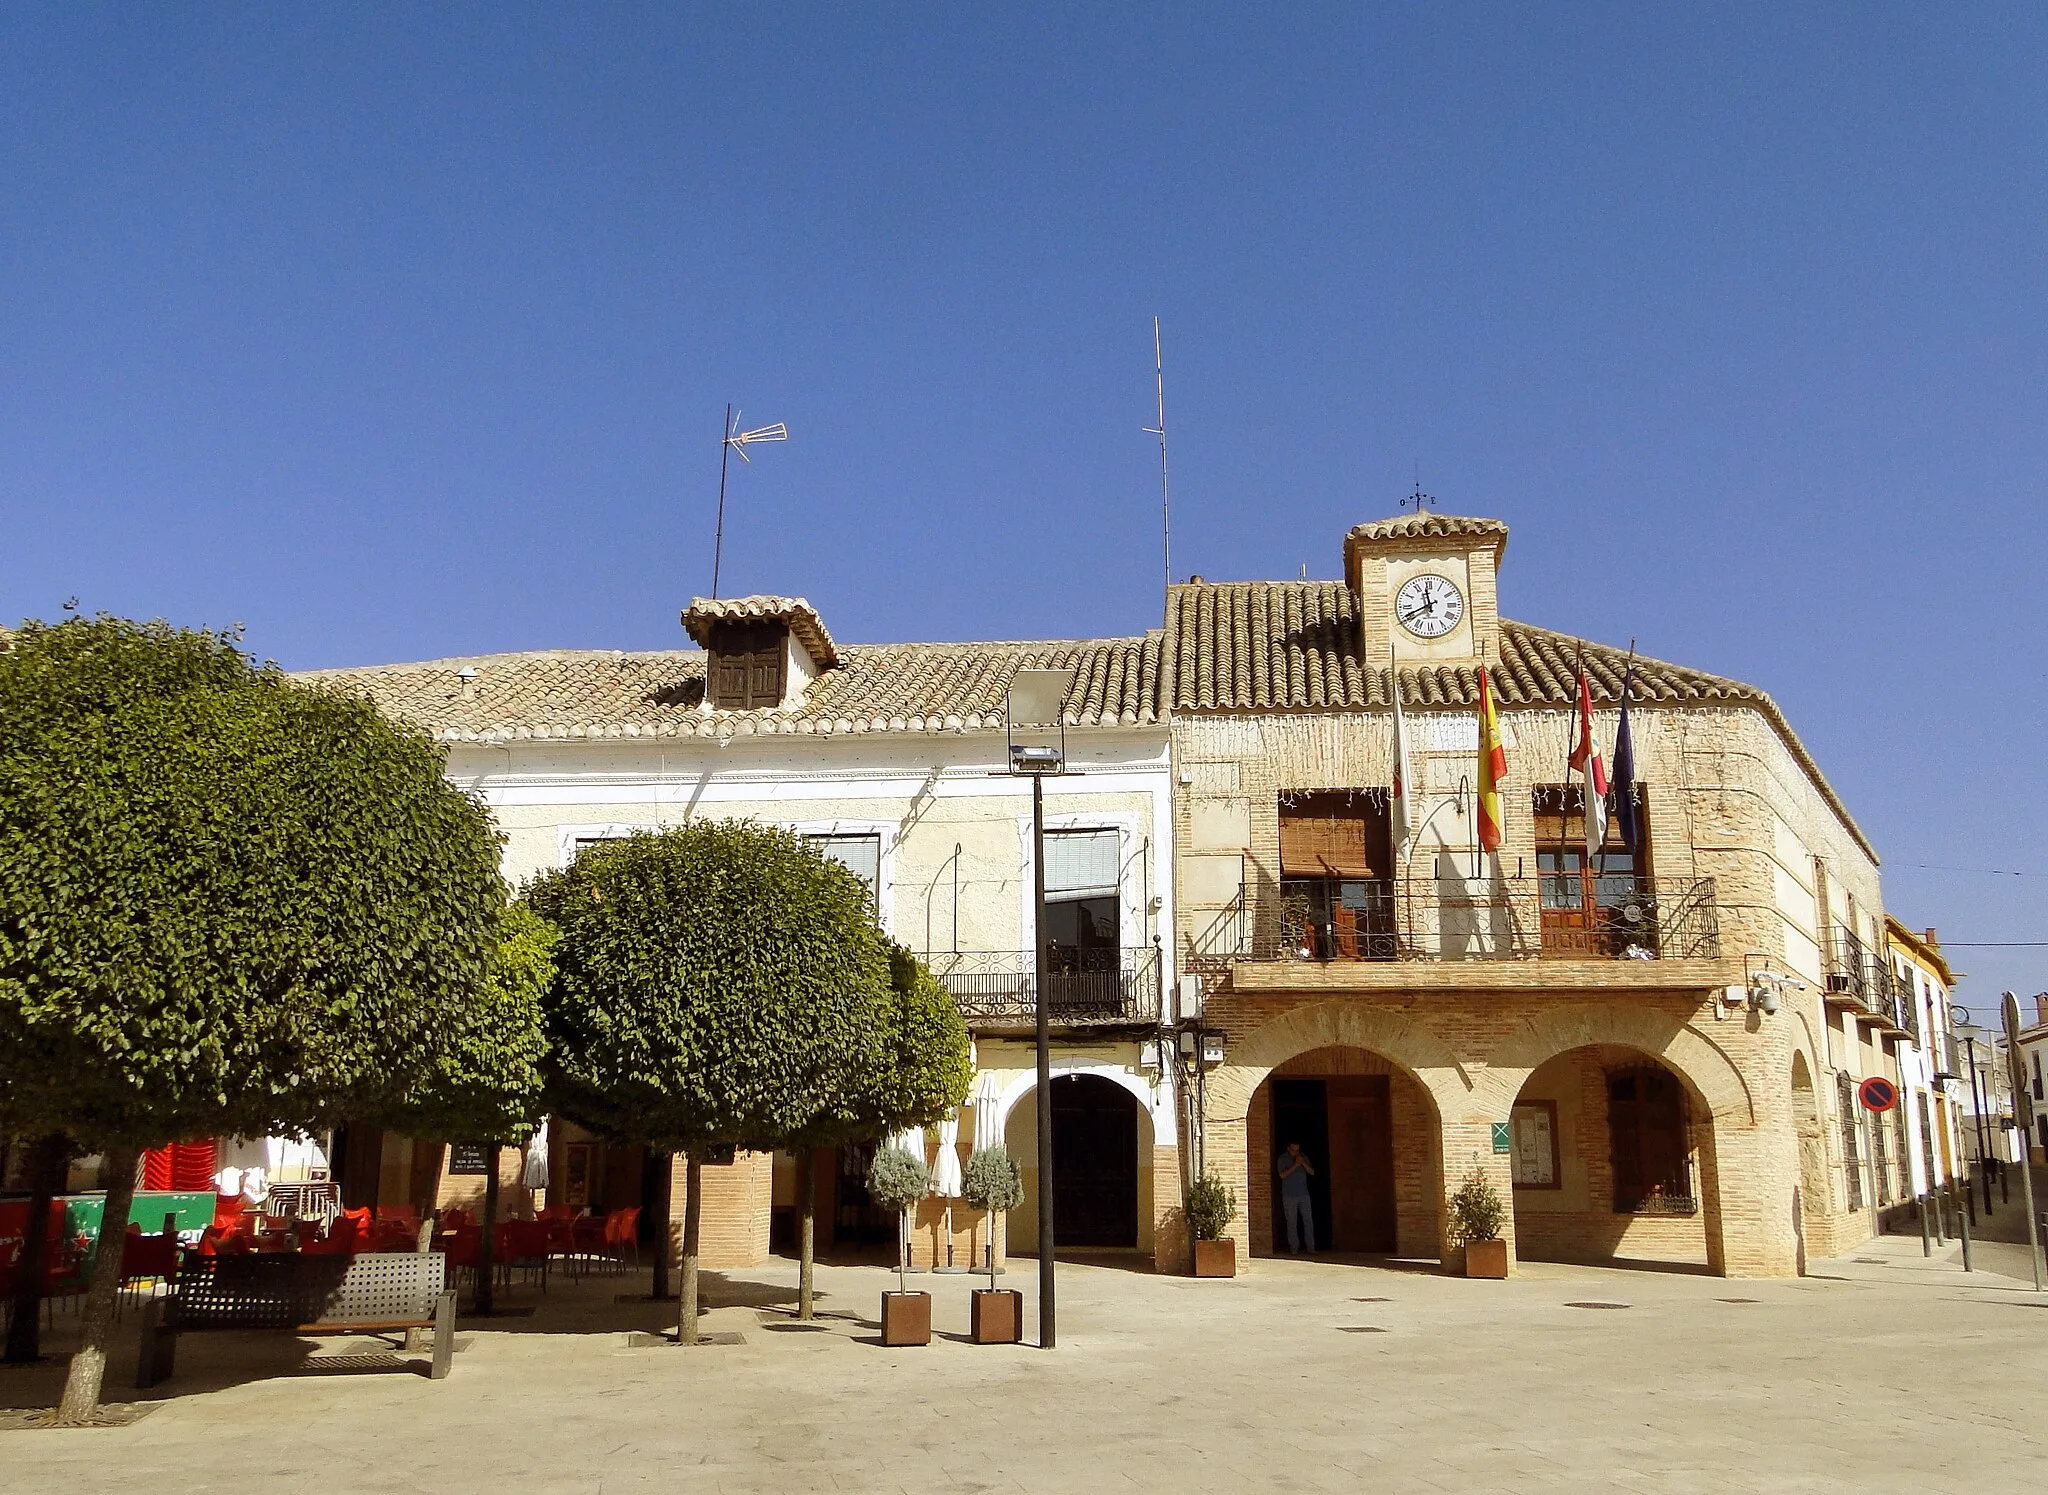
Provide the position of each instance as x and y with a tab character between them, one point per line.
1210	1209
1477	1216
897	1181
994	1185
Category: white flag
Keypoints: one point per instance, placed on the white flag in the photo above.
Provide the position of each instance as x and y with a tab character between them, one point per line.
1400	798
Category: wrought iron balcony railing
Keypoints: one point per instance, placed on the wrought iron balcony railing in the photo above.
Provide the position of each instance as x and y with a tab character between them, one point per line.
1083	988
1451	917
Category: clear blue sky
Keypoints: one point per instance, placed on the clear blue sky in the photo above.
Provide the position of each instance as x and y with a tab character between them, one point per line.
404	333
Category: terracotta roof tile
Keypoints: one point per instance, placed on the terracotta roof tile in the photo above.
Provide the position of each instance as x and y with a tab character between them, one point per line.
1294	646
576	693
802	618
1426	525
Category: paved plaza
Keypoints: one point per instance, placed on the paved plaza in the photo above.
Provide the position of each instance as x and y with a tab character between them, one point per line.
1885	1372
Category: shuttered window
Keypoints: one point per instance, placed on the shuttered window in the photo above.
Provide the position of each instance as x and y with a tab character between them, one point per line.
1080	864
859	854
1335	833
1646	1127
746	665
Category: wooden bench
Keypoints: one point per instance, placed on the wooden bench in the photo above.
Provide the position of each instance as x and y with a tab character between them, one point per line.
292	1294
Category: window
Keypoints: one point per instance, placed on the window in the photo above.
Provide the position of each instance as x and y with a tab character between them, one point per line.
745	670
1880	1162
2036	1057
1081	918
1336	873
1649	1145
859	853
1599	907
1852	1128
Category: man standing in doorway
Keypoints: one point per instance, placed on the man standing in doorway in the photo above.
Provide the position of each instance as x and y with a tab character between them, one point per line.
1295	1172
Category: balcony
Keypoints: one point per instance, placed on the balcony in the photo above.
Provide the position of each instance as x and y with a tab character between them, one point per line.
1860	977
1276	935
997	991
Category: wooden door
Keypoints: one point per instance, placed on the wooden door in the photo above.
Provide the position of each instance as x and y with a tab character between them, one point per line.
1094	1162
1361	1124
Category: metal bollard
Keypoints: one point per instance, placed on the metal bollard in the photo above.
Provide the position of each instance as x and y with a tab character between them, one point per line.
1963	1221
1926	1245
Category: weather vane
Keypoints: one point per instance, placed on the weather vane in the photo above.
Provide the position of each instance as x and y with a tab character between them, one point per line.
735	440
1417	499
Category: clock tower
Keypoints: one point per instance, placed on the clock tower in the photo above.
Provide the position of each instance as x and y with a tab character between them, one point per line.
1425	585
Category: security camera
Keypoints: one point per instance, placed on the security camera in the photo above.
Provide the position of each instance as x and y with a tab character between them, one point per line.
1769	1001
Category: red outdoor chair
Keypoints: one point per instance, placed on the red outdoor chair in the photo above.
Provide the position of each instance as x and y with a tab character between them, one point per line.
525	1245
622	1235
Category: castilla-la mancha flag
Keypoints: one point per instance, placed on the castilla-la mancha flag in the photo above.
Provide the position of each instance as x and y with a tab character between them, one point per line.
1586	760
1493	766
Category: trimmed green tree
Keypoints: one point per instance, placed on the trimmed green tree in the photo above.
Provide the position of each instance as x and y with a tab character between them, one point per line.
485	1079
993	1184
897	1180
230	904
722	983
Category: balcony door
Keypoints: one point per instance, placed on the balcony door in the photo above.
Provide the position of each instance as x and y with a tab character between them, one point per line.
1083	955
1336	874
1592	908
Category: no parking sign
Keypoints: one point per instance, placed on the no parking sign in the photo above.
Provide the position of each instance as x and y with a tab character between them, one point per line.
1877	1094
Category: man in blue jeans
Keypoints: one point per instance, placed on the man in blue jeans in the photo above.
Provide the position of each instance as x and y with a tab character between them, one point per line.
1295	1172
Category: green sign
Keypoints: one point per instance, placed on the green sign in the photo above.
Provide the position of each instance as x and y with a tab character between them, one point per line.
194	1211
1503	1137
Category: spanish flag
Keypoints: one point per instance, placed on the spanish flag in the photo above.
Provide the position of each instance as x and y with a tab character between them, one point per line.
1493	766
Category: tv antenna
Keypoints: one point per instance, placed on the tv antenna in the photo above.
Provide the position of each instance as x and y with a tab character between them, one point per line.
735	440
1165	495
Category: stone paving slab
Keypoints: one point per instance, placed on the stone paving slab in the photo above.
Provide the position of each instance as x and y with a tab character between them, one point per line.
1885	1372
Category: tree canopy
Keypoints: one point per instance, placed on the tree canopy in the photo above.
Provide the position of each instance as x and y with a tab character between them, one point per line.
483	1080
230	903
723	983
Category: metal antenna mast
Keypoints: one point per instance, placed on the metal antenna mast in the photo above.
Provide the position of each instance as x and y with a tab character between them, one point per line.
735	440
1165	495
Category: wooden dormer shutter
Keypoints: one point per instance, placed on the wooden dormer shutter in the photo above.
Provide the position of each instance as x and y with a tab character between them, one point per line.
747	666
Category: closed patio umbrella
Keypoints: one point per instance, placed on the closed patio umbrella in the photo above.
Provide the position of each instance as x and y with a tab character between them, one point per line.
910	1140
946	1171
536	1175
988	1104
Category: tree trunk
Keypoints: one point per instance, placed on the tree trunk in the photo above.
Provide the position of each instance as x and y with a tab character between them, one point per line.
46	1163
486	1249
89	1365
806	1227
693	1212
664	1206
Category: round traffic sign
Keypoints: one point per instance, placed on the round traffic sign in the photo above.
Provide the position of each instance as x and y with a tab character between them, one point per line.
1877	1094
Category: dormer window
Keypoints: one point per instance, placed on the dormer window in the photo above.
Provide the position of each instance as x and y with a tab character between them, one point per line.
764	651
746	671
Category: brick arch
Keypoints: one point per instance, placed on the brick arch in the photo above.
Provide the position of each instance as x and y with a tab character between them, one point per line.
1691	1054
1336	1024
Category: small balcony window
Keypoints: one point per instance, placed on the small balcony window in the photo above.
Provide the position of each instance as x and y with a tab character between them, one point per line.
1336	874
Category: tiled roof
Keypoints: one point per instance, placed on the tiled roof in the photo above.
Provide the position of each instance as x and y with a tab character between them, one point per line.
1426	525
576	693
802	618
1294	646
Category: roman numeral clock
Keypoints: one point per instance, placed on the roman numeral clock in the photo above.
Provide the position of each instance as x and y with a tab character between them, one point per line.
1429	606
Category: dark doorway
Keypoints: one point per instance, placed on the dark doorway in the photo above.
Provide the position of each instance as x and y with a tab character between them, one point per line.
856	1219
1094	1162
1301	1114
1344	1124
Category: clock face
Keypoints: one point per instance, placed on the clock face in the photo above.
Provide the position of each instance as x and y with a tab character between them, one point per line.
1429	606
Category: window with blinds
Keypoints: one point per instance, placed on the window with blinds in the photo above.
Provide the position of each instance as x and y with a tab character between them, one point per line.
860	854
1335	833
1080	864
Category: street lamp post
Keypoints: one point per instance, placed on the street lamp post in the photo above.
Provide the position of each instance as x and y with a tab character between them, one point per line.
1035	707
1977	1105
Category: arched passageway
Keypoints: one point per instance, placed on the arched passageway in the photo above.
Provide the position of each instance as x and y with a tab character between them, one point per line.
1102	1162
1369	1131
1611	1159
1816	1197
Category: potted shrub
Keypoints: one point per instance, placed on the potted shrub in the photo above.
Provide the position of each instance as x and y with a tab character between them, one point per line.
897	1181
1210	1209
995	1184
1476	1218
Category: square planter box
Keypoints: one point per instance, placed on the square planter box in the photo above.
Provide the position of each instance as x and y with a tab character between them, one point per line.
1216	1258
1486	1259
906	1318
998	1315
